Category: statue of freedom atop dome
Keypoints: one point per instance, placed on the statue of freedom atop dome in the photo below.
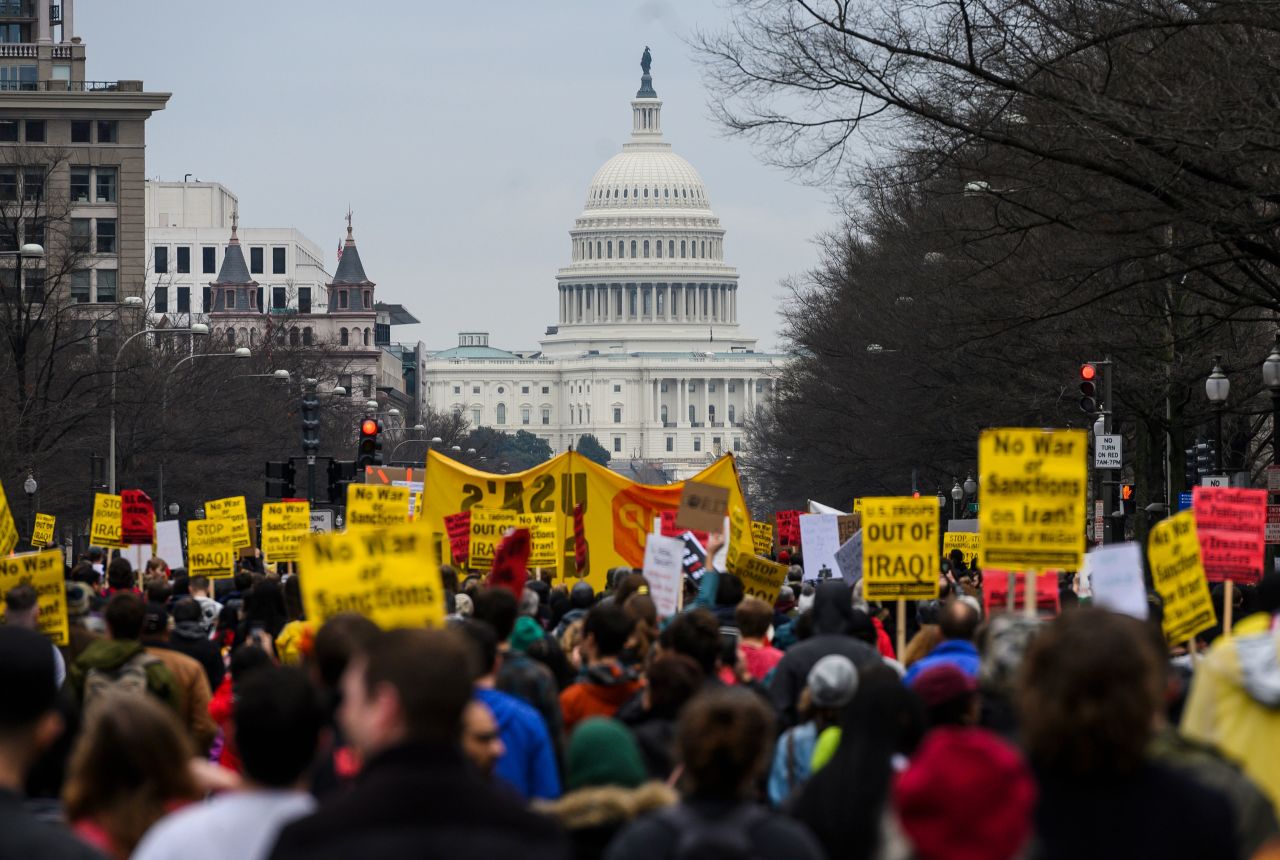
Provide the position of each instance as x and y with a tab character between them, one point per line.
646	60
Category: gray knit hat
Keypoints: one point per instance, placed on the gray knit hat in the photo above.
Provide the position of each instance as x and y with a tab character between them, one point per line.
832	681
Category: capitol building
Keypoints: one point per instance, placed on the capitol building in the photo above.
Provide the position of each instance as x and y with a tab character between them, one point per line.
646	353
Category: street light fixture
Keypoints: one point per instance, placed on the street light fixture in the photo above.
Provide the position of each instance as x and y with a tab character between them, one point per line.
173	510
1271	379
957	495
970	486
1218	388
29	486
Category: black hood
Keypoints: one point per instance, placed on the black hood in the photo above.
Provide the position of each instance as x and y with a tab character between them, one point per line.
832	607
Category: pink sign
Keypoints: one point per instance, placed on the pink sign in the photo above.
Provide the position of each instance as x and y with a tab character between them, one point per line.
1231	523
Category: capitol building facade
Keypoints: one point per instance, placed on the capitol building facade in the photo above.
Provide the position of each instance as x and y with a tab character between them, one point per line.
646	353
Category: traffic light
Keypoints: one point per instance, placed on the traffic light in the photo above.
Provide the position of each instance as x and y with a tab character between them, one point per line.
1089	388
1190	474
1204	457
310	422
341	473
369	452
1126	492
280	480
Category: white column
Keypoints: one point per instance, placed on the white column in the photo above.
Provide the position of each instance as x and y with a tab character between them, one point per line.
42	21
68	20
724	405
682	410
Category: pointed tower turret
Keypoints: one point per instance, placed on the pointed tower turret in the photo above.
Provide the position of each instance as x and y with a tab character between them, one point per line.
234	289
350	289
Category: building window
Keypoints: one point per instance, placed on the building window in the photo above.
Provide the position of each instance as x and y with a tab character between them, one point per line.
306	336
304	300
664	413
106	285
737	444
162	259
106	243
617	389
184	300
184	260
617	444
344	337
524	389
206	299
342	299
108	131
457	389
80	182
546	389
368	299
671	248
367	337
475	389
546	415
663	387
526	414
697	443
657	247
715	443
293	337
80	286
368	385
255	261
671	443
733	387
278	300
693	415
209	260
646	249
277	261
617	415
610	246
731	413
500	414
35	131
230	299
33	185
711	387
80	130
633	249
162	300
106	185
475	417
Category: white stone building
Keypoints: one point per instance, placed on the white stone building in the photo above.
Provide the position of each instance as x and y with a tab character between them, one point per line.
647	354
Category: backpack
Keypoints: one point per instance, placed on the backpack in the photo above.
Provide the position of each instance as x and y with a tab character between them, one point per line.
129	678
723	838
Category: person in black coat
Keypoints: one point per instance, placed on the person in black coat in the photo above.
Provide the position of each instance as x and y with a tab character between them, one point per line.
417	796
188	637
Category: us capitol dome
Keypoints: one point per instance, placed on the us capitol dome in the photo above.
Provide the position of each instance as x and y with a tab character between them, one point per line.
646	353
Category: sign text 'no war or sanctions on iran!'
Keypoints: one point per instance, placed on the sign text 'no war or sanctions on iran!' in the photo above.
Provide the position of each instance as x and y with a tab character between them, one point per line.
1033	498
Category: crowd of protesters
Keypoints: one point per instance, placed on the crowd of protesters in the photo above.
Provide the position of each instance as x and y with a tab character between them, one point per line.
189	719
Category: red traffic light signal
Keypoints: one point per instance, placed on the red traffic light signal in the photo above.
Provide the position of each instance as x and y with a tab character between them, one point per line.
369	427
369	451
1089	372
1088	388
1126	492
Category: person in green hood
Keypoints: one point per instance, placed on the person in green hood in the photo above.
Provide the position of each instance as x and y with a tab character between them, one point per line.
119	662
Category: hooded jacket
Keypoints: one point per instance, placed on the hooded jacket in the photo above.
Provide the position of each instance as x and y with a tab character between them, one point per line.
594	815
110	654
1234	703
832	614
599	691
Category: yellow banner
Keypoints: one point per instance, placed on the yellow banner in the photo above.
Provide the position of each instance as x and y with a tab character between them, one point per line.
617	513
9	531
284	525
760	577
762	537
966	542
1173	550
231	510
1033	498
489	526
43	572
900	548
104	529
390	576
376	506
42	534
209	548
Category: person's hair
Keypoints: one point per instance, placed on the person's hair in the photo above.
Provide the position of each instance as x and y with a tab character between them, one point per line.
431	671
753	617
264	604
128	767
95	553
529	602
21	598
694	634
245	661
959	620
928	637
673	681
497	608
484	642
1087	691
729	590
630	584
610	626
120	573
124	615
158	590
1269	593
337	641
843	801
278	718
187	609
199	582
956	711
292	589
643	613
723	740
242	581
84	572
154	564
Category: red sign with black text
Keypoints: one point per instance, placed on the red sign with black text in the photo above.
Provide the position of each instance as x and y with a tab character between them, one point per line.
137	518
995	592
458	527
788	528
1231	523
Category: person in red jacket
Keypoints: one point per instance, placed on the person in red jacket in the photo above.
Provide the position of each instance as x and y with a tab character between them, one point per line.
605	683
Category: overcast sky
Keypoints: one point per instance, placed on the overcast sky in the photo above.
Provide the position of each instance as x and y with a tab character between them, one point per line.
463	136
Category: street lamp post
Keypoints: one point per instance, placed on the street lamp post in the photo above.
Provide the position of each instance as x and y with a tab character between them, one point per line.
957	495
1271	379
970	488
193	330
29	486
1218	388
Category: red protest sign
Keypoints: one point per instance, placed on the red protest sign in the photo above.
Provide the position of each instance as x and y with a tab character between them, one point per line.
137	518
669	528
789	528
995	592
459	528
1231	523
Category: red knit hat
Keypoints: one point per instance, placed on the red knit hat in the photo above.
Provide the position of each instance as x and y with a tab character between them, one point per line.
967	795
942	682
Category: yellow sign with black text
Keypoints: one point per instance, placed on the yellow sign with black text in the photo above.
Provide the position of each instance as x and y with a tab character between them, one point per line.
231	510
760	577
42	533
8	530
899	548
209	549
966	542
762	537
104	528
1173	551
376	506
488	526
389	576
284	525
43	572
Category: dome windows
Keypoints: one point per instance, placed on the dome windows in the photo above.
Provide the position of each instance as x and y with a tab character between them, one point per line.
646	246
646	192
624	192
666	192
633	249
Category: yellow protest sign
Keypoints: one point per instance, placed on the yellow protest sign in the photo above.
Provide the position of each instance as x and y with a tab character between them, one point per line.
899	548
209	548
231	510
43	572
760	577
857	506
42	533
104	529
489	526
1173	550
966	542
376	506
1033	498
762	537
8	531
389	576
284	525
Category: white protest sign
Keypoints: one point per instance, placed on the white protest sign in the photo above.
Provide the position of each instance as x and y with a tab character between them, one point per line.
664	569
1108	451
1115	578
169	543
820	537
849	558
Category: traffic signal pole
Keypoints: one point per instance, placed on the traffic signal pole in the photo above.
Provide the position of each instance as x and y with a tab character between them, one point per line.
1111	488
